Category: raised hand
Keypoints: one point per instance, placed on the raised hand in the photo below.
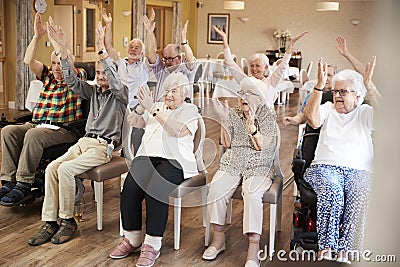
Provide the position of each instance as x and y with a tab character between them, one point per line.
220	32
322	73
52	41
369	72
145	98
288	121
38	27
107	18
57	35
150	24
250	127
341	46
222	109
296	38
184	32
100	32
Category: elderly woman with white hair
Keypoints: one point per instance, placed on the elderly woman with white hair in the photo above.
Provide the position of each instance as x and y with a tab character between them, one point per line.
164	159
259	64
340	173
249	134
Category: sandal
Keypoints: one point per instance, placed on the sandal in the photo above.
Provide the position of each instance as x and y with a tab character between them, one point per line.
6	188
19	195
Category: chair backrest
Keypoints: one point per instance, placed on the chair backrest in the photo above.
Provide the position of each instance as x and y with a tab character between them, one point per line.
244	65
276	63
183	57
309	68
199	72
234	57
198	140
220	55
303	77
277	165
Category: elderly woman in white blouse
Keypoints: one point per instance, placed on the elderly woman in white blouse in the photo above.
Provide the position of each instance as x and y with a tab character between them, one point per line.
164	159
341	171
259	64
248	131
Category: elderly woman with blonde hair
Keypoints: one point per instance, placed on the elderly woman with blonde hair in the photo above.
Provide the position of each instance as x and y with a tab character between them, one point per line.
249	133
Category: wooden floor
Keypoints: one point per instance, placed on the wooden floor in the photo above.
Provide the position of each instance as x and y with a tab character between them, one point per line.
90	247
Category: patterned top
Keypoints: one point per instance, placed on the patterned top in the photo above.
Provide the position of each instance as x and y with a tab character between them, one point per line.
56	101
242	158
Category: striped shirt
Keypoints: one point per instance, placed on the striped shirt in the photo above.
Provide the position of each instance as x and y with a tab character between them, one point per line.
56	101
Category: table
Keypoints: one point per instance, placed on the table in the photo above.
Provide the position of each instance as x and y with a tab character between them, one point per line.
291	71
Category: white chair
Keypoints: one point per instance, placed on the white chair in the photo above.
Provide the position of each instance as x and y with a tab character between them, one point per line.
191	184
245	65
204	84
302	93
220	55
273	196
33	94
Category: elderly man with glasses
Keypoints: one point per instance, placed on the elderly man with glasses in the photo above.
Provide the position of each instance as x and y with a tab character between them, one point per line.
171	58
341	171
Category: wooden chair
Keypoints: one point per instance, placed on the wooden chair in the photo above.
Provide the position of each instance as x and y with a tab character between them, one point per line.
273	196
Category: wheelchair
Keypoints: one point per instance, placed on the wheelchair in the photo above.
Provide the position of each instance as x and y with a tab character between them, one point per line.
304	233
53	152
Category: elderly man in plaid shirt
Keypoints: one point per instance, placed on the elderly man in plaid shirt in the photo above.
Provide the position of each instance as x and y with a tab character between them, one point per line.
22	145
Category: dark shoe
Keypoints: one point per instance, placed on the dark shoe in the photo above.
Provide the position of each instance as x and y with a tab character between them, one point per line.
19	195
66	231
45	234
6	188
124	249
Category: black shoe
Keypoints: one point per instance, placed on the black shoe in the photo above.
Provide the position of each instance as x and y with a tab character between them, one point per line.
66	231
45	235
19	195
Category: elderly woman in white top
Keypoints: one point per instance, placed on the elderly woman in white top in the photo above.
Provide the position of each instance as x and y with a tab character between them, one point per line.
249	133
164	159
340	173
259	64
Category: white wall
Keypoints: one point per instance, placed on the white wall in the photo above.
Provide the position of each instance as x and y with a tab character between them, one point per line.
267	15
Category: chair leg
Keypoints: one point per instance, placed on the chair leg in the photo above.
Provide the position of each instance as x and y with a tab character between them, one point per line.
229	212
121	229
177	222
204	192
295	191
279	214
207	234
272	220
98	195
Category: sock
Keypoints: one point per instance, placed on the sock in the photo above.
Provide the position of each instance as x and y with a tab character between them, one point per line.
154	241
53	224
218	239
134	237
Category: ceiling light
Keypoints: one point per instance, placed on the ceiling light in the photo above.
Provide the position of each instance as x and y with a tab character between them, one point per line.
327	6
355	22
234	5
244	19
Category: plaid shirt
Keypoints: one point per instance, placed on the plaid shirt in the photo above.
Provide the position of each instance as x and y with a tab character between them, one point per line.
56	101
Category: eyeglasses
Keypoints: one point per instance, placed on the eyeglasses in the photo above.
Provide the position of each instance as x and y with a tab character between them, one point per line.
170	59
341	92
246	93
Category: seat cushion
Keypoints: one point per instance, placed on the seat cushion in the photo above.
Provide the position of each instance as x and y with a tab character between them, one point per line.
189	185
117	166
270	196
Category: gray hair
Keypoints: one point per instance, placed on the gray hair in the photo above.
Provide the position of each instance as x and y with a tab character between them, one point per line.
357	80
141	43
263	58
256	85
176	79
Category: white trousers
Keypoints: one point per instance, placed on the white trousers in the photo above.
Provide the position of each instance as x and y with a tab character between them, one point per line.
221	190
59	196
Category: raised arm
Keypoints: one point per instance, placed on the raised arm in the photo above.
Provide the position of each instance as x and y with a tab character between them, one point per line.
293	42
108	35
311	111
186	48
342	49
151	42
235	69
29	59
373	95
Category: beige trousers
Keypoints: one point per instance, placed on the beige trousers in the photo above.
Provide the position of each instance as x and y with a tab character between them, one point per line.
221	190
60	176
